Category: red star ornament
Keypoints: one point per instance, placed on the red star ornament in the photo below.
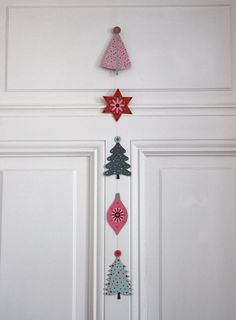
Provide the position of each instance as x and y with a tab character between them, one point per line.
117	105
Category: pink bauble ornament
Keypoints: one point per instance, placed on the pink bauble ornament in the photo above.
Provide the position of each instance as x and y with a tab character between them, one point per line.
117	214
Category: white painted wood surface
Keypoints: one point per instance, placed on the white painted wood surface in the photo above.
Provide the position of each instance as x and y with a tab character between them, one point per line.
179	242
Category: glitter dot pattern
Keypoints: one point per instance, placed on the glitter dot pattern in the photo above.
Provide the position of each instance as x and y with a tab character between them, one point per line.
118	281
116	56
117	162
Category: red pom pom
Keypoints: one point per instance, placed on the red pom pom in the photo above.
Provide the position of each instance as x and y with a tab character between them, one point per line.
117	253
117	30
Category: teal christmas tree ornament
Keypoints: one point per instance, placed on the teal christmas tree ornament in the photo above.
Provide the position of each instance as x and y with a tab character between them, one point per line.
117	161
118	281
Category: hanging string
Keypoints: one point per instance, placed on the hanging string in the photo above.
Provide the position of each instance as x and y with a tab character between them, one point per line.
117	180
117	31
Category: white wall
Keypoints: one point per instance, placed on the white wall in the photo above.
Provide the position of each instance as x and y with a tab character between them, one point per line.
179	242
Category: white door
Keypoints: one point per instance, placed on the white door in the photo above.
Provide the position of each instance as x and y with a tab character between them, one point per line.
180	239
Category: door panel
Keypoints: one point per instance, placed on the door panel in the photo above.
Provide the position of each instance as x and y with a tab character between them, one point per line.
187	235
65	27
198	242
45	233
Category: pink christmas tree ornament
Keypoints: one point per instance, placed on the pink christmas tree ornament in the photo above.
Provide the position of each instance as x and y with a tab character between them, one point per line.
117	214
116	56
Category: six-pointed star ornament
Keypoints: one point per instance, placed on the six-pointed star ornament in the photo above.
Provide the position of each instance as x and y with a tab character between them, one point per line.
117	104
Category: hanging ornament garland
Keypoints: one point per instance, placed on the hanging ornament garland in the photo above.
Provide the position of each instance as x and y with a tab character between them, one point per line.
117	104
116	56
118	281
117	214
117	161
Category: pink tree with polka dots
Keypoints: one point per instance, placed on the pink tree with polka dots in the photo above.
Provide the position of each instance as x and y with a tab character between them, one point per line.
116	56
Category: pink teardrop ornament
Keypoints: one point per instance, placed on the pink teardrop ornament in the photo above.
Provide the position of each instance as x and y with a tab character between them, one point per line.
117	214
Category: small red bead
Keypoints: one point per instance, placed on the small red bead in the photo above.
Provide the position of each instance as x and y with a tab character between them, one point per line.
117	29
117	253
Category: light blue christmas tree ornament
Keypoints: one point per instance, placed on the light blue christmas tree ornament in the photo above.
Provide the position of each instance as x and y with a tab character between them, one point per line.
118	281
